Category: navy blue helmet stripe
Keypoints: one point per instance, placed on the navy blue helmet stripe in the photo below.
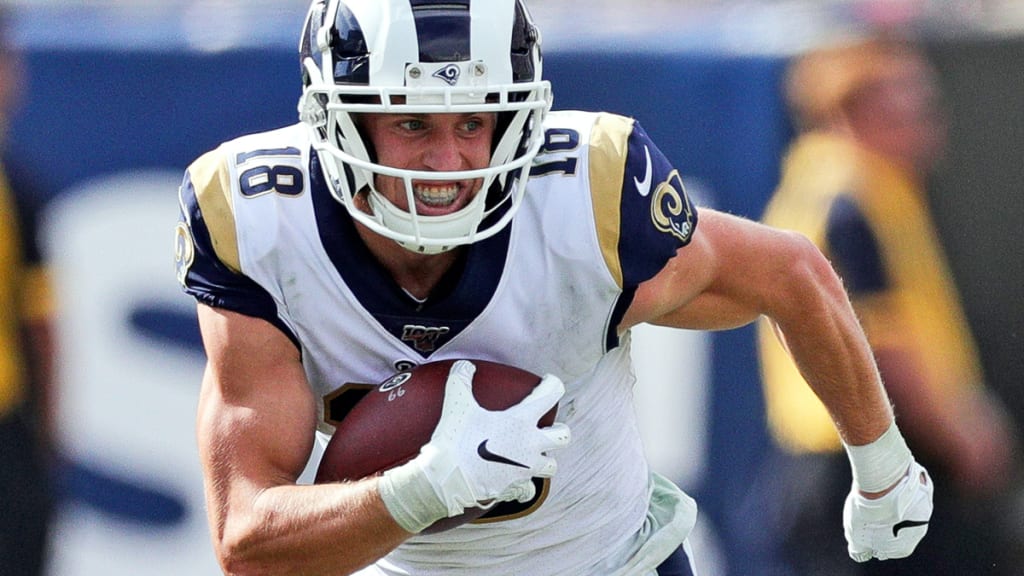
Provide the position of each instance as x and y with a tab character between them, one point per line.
350	51
443	30
524	40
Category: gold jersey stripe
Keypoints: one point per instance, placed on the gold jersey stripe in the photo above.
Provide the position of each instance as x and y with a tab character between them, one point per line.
609	142
211	179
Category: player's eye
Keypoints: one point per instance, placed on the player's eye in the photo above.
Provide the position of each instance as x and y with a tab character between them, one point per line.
475	124
412	124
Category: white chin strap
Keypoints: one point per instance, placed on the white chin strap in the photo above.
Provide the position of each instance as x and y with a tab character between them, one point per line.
428	234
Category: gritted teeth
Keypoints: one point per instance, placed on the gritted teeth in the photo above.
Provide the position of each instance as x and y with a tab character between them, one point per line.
436	195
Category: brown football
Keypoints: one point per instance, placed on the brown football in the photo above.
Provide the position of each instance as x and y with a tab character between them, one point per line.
380	427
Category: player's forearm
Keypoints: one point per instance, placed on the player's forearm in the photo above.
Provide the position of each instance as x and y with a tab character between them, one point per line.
830	348
321	529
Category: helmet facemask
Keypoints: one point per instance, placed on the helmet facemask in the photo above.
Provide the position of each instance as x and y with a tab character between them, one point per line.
330	109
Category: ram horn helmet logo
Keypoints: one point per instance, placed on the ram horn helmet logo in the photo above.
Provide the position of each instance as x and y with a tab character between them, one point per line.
450	74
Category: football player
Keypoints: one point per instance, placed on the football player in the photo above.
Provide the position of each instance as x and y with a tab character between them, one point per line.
429	206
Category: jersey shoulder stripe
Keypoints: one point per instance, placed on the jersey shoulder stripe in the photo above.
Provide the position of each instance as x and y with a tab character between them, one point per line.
641	211
210	177
609	140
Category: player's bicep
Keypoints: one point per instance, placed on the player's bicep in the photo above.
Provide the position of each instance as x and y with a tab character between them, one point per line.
726	278
257	415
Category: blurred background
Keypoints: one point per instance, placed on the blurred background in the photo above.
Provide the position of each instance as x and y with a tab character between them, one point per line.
119	96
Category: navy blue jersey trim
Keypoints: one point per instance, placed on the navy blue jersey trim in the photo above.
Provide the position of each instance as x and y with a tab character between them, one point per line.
459	298
657	215
623	304
209	281
854	249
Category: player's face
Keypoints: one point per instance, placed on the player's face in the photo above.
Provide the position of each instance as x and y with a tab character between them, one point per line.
431	142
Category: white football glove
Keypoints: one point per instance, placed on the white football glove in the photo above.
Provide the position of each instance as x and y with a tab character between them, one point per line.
476	457
890	526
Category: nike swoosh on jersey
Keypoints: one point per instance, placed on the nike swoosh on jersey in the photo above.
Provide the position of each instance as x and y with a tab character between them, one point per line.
644	186
907	524
492	457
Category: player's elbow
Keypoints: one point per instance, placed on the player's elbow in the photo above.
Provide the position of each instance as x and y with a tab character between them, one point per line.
239	553
233	560
805	256
805	274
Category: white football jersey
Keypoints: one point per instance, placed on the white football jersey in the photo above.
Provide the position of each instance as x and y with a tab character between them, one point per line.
604	210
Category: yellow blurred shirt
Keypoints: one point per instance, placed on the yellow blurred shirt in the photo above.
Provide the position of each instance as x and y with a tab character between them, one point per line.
24	296
919	308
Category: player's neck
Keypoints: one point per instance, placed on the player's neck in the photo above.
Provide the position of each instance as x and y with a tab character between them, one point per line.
417	274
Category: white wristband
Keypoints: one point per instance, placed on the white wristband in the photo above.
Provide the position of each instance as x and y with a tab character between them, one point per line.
879	465
409	497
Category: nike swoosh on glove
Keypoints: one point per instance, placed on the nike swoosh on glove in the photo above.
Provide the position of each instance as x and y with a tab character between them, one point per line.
476	457
890	526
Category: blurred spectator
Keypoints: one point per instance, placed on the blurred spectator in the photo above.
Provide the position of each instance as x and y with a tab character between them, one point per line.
25	357
871	131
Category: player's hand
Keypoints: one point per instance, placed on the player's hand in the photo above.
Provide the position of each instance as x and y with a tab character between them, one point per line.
890	526
476	457
479	457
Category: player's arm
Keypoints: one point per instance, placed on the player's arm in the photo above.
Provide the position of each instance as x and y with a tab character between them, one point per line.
255	428
719	271
257	415
967	431
256	423
735	270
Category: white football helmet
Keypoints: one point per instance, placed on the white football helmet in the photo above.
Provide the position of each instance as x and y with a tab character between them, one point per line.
423	56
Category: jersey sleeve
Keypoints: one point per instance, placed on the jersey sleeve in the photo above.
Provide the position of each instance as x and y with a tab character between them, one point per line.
642	210
206	246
